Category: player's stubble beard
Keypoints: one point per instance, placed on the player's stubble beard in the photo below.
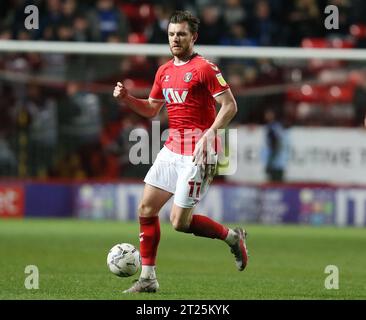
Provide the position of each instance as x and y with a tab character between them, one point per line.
184	54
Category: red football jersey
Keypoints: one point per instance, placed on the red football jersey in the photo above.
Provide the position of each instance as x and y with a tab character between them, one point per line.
189	92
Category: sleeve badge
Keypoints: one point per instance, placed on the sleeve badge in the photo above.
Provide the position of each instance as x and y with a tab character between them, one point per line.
221	79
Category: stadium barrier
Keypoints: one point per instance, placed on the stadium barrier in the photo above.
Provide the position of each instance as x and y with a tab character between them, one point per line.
309	204
33	199
332	155
156	50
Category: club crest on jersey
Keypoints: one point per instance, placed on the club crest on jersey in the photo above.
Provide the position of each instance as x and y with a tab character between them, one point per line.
188	77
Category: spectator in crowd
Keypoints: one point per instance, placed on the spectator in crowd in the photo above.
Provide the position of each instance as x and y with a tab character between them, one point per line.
359	101
65	32
69	11
212	25
305	20
81	28
132	122
7	102
5	34
43	130
79	152
276	147
237	36
358	11
262	26
234	12
79	118
49	19
158	31
107	19
8	161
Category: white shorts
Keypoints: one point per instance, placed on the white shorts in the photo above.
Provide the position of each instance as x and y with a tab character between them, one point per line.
177	174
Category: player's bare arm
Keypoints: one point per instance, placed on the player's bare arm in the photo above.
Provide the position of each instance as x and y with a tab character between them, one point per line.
148	108
226	113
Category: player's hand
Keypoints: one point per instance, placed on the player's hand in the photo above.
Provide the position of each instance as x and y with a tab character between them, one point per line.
200	151
120	91
209	172
204	155
204	146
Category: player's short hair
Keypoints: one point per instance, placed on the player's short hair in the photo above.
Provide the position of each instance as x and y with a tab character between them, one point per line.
185	16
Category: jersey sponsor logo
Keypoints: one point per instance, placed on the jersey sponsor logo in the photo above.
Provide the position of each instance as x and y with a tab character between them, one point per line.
188	77
221	79
177	96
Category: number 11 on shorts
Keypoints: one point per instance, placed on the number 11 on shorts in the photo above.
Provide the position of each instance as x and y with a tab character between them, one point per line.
194	187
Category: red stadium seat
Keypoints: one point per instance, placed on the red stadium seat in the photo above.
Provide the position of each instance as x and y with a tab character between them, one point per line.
339	94
329	94
136	83
340	43
136	37
317	65
327	43
307	93
358	30
305	110
355	78
314	43
139	15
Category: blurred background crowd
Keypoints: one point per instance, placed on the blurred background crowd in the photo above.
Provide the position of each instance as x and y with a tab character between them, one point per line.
58	117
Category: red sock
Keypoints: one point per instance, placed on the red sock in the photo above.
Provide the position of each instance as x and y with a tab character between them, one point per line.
149	239
203	226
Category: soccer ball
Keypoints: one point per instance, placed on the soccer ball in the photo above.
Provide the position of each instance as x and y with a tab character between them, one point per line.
124	260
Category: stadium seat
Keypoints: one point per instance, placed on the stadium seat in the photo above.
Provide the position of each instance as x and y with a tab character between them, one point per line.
340	43
136	37
314	43
358	30
317	65
136	83
339	94
355	78
139	15
305	110
342	113
306	93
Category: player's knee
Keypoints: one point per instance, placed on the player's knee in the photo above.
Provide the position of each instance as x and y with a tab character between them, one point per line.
145	210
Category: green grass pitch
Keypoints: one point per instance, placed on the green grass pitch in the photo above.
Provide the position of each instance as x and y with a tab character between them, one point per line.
286	262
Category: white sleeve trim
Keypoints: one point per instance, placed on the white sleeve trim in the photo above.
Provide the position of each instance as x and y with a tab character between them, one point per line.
217	94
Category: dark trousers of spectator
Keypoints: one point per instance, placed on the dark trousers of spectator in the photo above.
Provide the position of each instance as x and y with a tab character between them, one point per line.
275	175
